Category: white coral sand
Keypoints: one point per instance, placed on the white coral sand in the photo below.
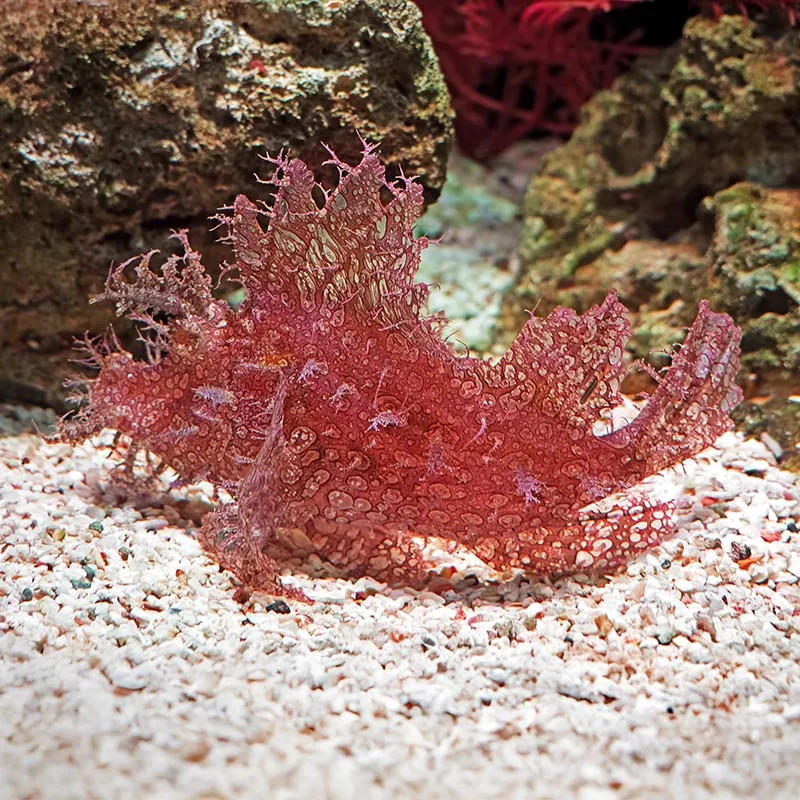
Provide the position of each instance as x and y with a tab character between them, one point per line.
127	669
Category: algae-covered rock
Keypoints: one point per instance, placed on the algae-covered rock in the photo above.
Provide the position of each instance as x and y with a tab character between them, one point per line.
721	106
122	120
677	186
755	253
754	275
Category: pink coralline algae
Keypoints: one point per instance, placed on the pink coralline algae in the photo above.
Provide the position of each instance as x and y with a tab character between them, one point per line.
331	409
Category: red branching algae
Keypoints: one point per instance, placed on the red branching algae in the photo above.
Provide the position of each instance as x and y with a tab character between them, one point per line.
329	406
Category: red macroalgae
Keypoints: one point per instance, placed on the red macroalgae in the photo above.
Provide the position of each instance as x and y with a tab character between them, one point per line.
330	406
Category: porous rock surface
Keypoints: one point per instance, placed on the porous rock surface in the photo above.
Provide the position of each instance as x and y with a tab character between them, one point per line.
120	121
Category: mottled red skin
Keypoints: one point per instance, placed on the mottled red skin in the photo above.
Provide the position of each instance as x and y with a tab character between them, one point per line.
327	404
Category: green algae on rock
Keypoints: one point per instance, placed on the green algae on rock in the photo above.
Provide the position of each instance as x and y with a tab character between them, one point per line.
754	275
123	120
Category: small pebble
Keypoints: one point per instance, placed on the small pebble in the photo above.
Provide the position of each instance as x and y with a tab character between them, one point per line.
740	551
665	637
278	606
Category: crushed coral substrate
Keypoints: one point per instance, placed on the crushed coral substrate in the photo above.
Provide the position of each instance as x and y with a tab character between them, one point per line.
128	670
